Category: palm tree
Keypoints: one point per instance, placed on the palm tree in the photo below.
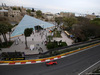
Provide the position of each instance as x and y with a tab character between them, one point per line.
27	33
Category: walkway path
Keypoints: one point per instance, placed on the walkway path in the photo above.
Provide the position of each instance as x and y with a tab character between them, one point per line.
64	39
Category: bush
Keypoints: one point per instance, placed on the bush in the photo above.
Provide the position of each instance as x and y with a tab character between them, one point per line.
50	45
57	34
55	44
63	44
5	45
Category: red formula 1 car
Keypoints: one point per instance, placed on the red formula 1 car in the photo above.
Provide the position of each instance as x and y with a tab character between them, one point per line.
51	63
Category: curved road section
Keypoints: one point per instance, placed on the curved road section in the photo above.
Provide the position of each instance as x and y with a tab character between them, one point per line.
70	65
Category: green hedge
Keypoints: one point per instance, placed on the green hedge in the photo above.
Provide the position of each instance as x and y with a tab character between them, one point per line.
55	44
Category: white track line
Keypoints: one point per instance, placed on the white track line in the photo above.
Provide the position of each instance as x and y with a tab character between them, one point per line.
89	67
47	60
38	61
55	58
17	63
28	62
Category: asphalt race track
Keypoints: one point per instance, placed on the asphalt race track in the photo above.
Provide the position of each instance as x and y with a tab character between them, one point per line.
71	65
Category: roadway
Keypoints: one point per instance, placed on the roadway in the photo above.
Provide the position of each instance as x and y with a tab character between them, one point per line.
70	65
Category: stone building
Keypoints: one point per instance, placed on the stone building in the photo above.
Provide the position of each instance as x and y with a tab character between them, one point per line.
91	17
14	14
49	16
67	14
3	13
58	15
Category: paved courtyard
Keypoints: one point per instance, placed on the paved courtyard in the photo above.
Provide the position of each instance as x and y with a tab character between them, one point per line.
37	39
64	39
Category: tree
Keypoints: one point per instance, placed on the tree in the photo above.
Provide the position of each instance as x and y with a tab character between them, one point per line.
96	24
86	28
83	21
33	10
78	33
59	20
95	21
69	22
27	33
39	13
7	27
28	11
3	30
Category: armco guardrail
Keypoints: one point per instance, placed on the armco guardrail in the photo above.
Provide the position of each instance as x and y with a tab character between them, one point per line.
91	69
